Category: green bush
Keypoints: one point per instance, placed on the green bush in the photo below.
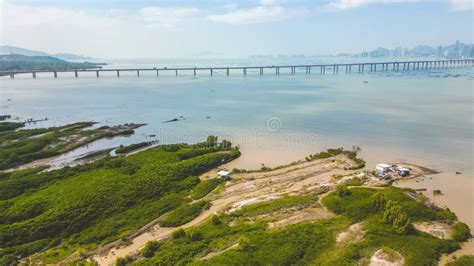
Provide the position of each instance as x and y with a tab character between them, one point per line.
203	188
9	126
123	261
462	261
343	191
178	233
150	248
461	232
184	214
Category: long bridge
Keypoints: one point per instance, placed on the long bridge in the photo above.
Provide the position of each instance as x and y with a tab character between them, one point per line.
319	68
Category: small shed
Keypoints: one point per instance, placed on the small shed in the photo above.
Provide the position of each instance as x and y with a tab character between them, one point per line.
223	174
382	168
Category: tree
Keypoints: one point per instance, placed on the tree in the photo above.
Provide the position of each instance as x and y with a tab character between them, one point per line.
211	141
379	200
150	248
343	191
395	216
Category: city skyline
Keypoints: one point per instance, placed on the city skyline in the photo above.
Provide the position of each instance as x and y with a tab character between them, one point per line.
118	29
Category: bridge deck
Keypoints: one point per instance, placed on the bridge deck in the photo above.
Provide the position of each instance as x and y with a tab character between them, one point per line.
360	68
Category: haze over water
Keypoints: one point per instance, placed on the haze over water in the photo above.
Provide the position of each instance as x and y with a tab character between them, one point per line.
423	117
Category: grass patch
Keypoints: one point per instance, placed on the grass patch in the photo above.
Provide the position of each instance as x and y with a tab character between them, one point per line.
203	188
184	214
462	261
275	205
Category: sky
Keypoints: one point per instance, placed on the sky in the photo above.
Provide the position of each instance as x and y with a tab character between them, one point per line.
218	28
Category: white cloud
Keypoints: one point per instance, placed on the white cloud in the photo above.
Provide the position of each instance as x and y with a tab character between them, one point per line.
339	5
259	14
461	5
167	16
18	15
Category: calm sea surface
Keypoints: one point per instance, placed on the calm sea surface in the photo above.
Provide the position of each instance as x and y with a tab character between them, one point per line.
423	117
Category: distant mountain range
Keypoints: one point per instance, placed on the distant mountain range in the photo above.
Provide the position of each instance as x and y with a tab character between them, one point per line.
6	49
18	62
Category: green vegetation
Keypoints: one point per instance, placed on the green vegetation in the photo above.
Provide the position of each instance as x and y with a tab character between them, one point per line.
24	146
461	232
354	182
8	126
184	214
122	261
126	149
295	244
15	62
79	208
150	248
5	117
274	205
203	188
386	215
462	261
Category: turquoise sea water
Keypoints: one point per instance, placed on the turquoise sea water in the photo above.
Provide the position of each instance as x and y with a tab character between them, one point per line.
424	117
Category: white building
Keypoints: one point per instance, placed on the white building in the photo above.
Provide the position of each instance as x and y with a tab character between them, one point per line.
382	168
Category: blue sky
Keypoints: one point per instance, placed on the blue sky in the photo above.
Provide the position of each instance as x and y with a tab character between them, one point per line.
215	28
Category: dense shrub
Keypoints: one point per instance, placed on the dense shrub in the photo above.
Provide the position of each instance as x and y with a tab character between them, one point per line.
461	232
184	214
203	188
150	248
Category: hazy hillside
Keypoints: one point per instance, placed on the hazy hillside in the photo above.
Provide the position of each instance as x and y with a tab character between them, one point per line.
7	49
16	62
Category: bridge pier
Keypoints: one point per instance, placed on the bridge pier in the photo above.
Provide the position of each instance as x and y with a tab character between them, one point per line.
12	76
138	73
245	71
194	71
261	71
34	75
176	72
97	73
212	71
277	71
75	74
118	73
55	74
227	71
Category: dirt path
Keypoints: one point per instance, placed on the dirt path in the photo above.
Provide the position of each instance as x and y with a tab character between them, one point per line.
252	187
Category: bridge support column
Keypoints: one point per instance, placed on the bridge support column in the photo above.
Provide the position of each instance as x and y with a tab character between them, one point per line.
212	71
363	66
261	71
176	72
227	71
245	71
97	73
12	76
350	68
138	73
194	71
277	71
118	73
55	74
34	75
75	74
